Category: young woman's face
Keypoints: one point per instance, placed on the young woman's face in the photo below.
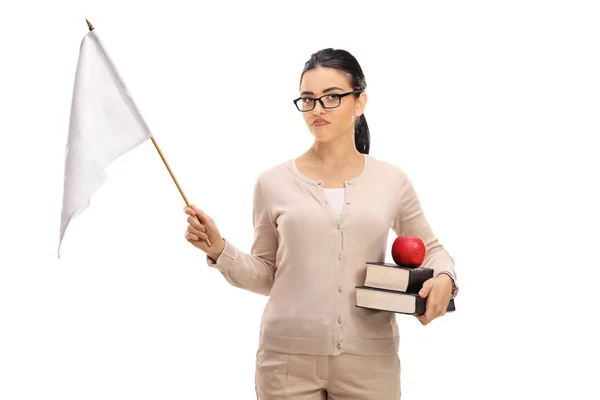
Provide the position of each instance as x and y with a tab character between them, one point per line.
337	121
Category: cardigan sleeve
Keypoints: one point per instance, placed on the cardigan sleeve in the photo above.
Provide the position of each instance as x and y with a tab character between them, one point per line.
410	220
255	271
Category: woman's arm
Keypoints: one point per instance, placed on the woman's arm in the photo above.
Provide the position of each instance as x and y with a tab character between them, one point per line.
255	271
410	221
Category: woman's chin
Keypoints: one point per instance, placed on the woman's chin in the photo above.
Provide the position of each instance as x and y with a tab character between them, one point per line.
323	135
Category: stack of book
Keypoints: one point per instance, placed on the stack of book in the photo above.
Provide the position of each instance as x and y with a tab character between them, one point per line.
390	287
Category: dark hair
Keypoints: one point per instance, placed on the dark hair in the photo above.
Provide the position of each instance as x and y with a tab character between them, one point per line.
344	61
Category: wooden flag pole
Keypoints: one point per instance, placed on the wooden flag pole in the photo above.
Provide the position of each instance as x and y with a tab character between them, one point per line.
187	203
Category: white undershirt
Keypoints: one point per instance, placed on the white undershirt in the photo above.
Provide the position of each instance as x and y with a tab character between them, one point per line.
335	196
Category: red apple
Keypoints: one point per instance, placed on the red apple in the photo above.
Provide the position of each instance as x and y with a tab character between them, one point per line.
408	251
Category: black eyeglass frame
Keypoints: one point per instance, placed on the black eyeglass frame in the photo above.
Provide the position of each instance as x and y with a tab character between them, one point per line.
340	95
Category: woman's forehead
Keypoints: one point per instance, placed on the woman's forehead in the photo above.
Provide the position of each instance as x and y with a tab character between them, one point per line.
319	79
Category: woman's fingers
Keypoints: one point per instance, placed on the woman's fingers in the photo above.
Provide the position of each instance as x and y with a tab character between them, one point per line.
197	214
188	210
193	221
193	234
197	232
198	220
191	237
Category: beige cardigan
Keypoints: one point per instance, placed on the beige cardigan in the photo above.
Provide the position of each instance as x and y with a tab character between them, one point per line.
309	260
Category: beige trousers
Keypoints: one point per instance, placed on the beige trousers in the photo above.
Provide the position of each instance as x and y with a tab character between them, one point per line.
316	377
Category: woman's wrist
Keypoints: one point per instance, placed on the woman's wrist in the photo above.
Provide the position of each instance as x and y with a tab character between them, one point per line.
218	250
450	278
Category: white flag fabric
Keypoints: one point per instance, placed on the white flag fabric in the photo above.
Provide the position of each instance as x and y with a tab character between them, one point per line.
104	124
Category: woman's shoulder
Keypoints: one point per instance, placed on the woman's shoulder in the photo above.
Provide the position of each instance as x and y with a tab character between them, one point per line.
276	171
275	175
383	167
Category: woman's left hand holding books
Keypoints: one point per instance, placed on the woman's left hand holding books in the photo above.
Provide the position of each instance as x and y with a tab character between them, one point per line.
438	292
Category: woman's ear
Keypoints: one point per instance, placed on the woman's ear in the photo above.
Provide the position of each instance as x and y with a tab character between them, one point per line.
361	103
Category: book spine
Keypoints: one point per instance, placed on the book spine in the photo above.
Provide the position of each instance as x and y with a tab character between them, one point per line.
416	278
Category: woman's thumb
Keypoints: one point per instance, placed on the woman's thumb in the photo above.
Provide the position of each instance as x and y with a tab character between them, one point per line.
424	292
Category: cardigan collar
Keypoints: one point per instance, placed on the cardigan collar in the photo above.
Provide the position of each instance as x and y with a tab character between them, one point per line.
318	182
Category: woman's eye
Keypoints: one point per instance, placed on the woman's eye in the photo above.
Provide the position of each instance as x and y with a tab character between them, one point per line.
332	97
307	100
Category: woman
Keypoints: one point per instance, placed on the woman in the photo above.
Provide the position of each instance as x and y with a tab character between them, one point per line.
317	219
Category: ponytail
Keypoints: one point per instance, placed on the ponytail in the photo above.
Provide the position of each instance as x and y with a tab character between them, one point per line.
362	139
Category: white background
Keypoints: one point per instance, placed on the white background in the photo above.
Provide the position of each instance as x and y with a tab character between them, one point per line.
492	108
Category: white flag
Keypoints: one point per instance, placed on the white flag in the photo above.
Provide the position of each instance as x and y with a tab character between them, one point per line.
104	124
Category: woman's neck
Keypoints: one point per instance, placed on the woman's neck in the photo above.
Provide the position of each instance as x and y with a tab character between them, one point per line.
337	152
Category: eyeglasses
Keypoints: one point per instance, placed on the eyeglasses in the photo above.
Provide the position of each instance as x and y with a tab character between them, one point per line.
327	101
